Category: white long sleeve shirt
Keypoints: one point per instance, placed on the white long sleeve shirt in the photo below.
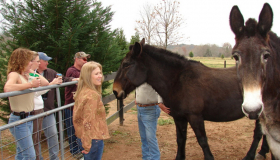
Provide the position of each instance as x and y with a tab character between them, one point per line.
145	94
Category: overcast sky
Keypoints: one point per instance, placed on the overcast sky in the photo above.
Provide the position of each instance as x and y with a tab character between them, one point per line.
207	21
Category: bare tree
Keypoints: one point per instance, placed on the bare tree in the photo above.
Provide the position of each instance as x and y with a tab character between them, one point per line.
227	49
146	26
168	23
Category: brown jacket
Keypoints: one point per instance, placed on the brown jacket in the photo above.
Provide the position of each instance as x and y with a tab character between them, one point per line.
89	118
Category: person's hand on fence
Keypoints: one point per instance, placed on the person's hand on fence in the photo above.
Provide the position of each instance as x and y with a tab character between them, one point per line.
75	79
56	81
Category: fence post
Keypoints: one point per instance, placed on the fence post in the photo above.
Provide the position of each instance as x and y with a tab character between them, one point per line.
225	64
120	109
60	124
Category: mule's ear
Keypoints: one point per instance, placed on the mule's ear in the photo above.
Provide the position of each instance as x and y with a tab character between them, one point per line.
236	21
265	20
136	50
142	42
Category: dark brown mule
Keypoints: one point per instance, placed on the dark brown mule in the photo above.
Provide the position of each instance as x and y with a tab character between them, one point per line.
257	54
192	91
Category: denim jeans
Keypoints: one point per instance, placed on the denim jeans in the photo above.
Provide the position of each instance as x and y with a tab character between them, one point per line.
147	123
96	149
23	135
72	139
50	131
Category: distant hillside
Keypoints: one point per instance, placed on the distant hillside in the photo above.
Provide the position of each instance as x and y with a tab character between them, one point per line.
208	50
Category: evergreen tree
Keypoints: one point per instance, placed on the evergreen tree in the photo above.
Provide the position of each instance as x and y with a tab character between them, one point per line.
3	79
208	53
61	28
120	39
191	54
135	38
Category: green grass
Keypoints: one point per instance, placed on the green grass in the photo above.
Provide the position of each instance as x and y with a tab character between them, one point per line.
134	109
120	133
162	122
215	62
8	145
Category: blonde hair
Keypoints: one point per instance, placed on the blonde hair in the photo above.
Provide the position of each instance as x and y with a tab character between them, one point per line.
19	60
85	78
35	54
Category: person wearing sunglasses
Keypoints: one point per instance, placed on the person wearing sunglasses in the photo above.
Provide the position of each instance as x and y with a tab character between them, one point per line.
74	71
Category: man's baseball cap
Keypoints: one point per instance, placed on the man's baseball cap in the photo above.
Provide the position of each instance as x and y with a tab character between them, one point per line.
44	56
81	55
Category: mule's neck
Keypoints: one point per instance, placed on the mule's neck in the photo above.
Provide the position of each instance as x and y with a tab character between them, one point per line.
161	76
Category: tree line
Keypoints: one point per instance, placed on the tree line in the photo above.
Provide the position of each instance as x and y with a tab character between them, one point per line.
207	50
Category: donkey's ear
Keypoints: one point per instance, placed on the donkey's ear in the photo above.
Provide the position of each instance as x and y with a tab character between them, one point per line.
142	42
236	21
265	20
136	50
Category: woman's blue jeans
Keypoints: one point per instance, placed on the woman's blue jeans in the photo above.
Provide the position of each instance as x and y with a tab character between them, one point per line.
147	123
96	150
23	135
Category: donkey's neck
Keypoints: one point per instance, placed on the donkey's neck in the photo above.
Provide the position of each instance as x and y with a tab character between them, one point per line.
162	75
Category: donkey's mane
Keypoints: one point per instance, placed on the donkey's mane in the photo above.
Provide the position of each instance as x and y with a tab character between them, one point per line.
251	27
166	56
275	39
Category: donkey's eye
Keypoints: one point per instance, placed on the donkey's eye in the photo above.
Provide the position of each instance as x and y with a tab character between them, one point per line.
236	57
266	55
125	65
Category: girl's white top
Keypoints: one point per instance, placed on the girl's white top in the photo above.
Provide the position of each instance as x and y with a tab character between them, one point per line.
38	100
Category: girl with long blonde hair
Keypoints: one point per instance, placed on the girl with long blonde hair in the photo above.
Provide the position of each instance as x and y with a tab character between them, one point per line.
89	116
85	78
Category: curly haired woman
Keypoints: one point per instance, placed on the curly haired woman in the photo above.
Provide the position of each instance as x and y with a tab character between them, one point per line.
22	106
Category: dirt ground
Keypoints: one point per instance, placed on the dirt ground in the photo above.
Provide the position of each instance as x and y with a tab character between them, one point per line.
227	140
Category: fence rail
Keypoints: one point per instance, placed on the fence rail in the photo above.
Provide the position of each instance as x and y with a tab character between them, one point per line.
119	114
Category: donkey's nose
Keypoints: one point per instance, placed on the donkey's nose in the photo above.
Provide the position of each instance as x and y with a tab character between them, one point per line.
115	93
119	95
252	114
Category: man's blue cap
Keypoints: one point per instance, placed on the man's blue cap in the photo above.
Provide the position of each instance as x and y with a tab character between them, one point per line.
44	56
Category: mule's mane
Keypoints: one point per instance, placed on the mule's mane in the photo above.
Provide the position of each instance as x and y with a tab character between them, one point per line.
166	56
251	27
273	37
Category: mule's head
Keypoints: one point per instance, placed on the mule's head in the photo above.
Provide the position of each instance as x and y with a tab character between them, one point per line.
252	53
132	72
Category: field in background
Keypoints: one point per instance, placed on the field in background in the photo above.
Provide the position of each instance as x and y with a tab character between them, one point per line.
215	62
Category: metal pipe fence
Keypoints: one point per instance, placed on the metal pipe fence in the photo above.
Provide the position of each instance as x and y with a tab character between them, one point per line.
8	143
